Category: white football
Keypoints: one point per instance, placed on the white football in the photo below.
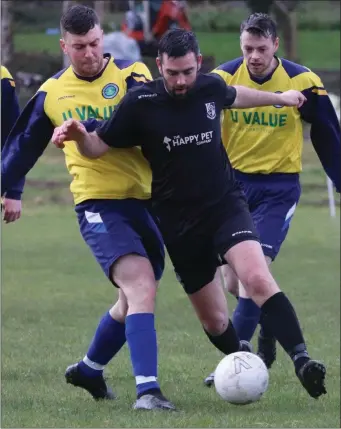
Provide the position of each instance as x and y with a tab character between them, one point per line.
241	378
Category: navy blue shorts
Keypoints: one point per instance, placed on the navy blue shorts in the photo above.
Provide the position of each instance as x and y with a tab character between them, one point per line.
114	228
272	201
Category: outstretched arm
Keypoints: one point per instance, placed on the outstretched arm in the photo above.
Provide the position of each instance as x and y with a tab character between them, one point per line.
248	98
88	144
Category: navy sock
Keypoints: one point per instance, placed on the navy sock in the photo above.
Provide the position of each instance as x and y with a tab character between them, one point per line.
142	342
245	318
107	341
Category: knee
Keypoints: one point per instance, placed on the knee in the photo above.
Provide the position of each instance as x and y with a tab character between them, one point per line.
135	276
215	324
259	282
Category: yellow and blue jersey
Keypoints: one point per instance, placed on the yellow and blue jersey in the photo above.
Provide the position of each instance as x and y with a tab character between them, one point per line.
120	173
269	139
9	114
9	104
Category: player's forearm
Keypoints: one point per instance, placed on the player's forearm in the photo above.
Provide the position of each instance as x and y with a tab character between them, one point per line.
91	146
247	98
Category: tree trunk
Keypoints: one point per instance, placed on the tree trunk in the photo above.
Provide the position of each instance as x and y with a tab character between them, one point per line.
66	5
7	46
100	9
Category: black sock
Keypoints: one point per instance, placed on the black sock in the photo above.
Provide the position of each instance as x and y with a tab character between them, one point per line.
285	326
227	342
265	327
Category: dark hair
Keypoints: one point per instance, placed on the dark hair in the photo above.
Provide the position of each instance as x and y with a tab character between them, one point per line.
79	19
260	24
177	43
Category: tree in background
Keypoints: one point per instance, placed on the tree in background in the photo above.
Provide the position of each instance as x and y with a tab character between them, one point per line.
7	45
65	6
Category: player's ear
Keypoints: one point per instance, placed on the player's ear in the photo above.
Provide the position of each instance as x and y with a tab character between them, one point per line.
62	45
199	59
276	43
159	65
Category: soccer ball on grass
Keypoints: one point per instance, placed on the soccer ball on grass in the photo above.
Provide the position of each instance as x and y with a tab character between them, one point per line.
241	378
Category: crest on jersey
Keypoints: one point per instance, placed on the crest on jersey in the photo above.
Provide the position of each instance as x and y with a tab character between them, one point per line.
210	110
110	90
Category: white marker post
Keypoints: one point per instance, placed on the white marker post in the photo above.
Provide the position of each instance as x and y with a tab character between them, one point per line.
335	99
331	198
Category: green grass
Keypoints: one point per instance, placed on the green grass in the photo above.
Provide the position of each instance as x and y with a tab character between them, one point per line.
224	46
54	293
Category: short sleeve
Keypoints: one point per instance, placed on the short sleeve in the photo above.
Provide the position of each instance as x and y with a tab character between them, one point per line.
230	96
227	92
121	130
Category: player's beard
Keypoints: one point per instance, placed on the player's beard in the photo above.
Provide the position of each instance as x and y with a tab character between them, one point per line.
179	95
172	90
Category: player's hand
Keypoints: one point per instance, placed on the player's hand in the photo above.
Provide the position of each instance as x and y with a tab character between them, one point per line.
11	210
292	98
69	130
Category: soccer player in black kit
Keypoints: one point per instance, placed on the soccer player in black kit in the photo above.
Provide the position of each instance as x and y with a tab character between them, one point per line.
201	212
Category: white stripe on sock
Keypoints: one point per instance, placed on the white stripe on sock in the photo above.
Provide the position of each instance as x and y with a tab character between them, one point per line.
93	365
140	379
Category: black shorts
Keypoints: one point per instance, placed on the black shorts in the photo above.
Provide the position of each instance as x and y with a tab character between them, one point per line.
197	254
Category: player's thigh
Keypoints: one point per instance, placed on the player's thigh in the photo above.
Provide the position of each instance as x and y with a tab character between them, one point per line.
247	260
193	261
108	231
233	224
273	214
237	242
228	279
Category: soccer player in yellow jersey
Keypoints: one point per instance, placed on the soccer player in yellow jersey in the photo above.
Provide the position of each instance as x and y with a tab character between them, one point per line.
264	146
111	197
9	114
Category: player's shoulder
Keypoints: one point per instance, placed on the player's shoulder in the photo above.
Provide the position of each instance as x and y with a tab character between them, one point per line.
230	67
293	69
5	74
300	74
145	91
135	68
210	80
125	65
53	81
